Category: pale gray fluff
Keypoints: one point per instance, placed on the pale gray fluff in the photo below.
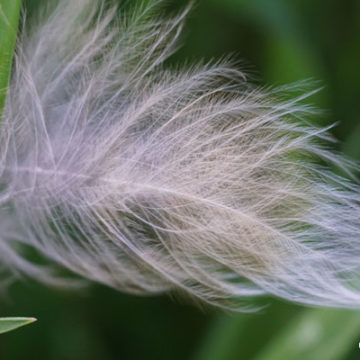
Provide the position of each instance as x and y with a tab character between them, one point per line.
150	178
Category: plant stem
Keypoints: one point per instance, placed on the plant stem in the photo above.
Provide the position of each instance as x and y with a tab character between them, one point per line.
9	20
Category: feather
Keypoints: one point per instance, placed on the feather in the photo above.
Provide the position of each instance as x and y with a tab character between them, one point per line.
153	179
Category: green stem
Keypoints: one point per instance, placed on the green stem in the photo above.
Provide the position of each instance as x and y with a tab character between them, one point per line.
9	20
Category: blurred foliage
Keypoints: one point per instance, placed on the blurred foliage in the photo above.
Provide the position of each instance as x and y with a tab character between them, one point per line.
276	42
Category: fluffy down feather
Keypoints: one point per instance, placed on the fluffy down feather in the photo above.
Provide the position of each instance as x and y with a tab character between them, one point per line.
150	180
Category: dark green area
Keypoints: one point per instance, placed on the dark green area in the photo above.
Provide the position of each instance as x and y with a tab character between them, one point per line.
277	42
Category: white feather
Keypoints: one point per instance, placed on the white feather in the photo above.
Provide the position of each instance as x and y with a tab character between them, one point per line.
150	180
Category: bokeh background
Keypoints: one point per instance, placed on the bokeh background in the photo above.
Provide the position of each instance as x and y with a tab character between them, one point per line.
276	42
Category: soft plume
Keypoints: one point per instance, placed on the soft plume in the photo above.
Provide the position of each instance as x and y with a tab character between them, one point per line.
149	178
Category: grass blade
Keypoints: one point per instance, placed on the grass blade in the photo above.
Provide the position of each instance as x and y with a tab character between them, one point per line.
9	19
12	323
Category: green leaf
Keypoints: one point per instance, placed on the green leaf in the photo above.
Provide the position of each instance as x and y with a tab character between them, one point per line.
12	323
315	334
237	336
9	19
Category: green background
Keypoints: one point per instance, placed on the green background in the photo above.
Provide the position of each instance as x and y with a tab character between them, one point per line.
275	42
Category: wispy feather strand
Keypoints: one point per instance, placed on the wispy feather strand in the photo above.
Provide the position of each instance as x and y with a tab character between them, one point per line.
151	180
